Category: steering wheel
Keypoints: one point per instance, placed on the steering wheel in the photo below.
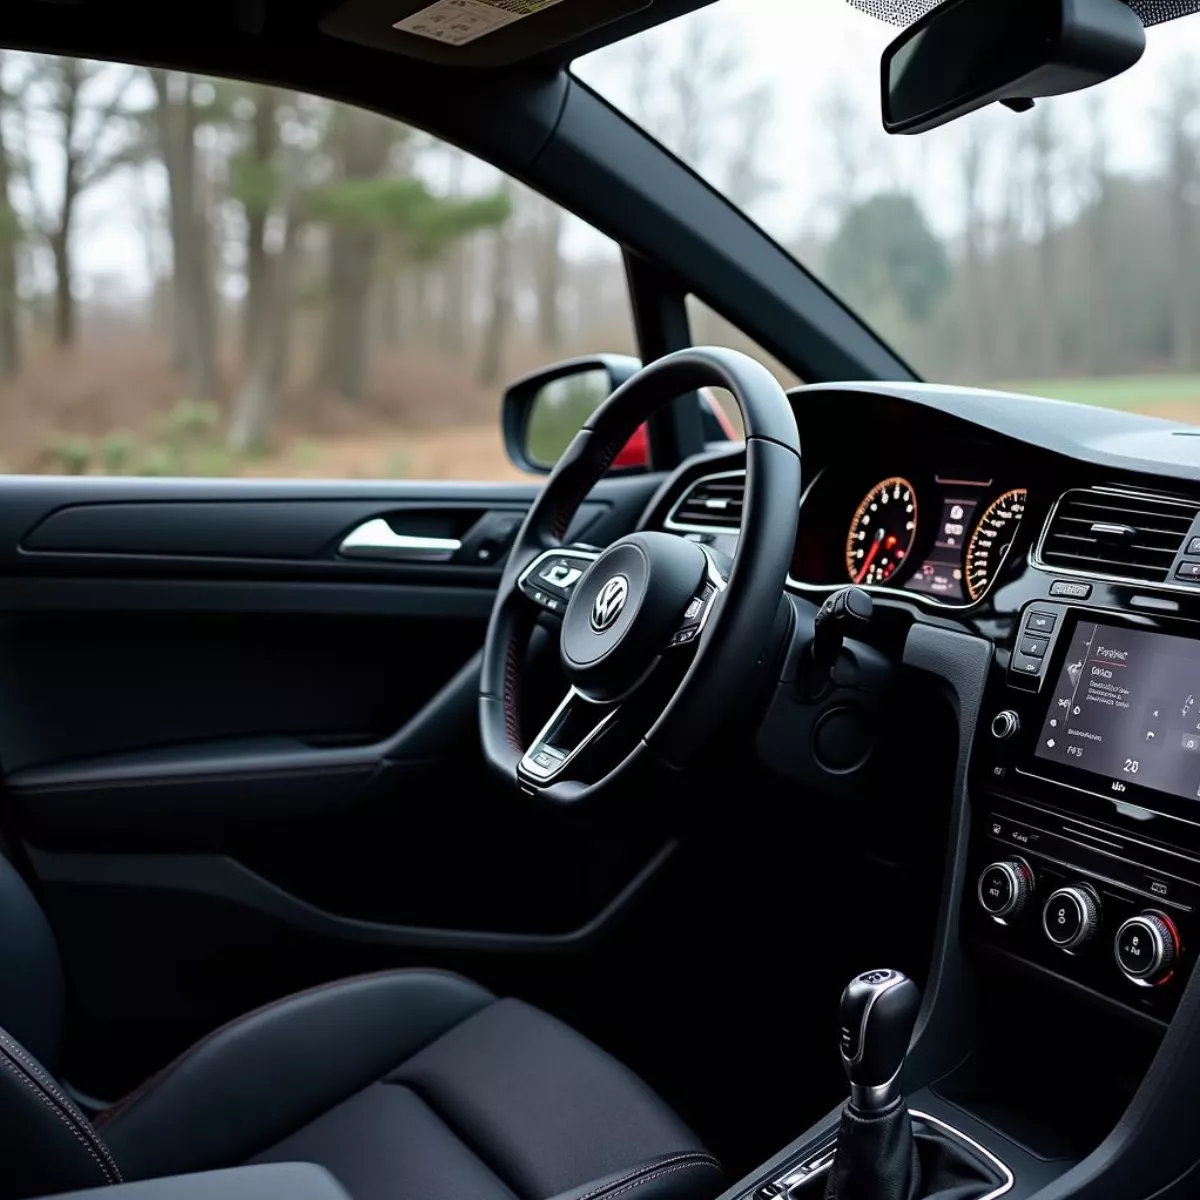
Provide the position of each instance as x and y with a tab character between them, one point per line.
660	636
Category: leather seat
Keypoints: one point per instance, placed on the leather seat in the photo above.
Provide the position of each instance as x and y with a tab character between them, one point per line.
409	1085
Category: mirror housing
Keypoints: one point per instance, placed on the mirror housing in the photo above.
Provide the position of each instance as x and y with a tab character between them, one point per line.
966	54
551	405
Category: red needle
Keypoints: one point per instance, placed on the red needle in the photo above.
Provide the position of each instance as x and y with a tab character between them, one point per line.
870	557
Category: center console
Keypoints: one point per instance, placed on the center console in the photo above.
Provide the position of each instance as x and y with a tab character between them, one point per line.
1085	841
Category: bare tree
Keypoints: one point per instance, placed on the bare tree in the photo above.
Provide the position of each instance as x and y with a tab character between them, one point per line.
548	271
95	142
10	230
257	184
176	118
256	400
1045	146
1097	338
1177	118
500	302
972	163
360	144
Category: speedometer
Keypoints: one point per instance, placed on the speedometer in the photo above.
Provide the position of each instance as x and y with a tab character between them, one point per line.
992	540
882	532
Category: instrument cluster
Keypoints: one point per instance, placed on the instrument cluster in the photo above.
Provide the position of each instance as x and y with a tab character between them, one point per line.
944	534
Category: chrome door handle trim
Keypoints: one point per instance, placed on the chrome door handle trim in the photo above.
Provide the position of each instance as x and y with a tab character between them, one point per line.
377	539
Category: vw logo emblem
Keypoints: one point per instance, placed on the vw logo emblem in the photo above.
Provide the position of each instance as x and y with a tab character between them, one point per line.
609	603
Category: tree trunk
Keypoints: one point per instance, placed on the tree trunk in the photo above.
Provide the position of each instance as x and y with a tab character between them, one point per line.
264	140
549	276
193	308
10	344
452	330
64	299
257	400
70	82
344	356
495	334
362	142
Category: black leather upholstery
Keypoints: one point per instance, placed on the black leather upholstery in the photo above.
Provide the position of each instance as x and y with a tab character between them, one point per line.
409	1085
287	1181
31	983
412	1085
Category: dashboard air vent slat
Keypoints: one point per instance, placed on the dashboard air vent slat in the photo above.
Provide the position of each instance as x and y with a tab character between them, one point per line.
713	503
1119	534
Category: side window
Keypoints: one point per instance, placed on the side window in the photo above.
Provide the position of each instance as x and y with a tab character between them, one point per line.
237	280
709	328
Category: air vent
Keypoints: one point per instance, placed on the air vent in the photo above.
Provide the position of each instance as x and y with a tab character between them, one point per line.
1122	534
711	505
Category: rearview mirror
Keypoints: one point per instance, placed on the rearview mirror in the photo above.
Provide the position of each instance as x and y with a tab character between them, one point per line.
965	54
545	410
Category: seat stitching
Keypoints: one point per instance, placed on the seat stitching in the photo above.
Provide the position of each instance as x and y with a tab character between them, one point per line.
143	1089
30	1064
675	1161
23	1078
658	1173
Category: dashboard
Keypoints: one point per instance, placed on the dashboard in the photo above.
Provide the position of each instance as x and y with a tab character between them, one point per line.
1064	543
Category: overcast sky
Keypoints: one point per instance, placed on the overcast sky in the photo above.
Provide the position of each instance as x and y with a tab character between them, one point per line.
803	50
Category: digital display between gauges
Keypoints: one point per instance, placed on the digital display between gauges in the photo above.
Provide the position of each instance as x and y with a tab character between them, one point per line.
992	540
882	532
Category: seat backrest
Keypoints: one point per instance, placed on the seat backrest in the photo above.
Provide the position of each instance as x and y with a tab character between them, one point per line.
31	980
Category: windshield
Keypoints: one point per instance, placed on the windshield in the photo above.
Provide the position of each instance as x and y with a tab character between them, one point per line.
1054	252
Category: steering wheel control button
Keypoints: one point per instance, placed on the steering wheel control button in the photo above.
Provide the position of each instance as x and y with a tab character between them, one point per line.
1147	948
1071	917
1040	622
1005	888
561	574
1005	725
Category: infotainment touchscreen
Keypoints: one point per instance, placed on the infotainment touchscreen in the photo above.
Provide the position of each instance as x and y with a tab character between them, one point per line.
1127	706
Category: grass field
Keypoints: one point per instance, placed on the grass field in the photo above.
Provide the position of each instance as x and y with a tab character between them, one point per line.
1176	397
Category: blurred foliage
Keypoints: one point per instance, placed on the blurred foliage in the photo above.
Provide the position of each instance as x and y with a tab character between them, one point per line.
253	183
884	253
408	207
187	441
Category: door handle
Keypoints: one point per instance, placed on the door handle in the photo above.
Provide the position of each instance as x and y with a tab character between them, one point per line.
377	539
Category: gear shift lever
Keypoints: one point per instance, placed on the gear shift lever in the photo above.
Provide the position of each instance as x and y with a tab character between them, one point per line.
879	1010
880	1154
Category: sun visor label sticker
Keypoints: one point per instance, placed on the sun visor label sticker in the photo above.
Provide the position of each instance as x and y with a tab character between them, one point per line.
457	22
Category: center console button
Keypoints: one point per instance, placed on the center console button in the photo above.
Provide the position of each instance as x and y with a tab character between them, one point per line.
1146	947
1034	646
1040	622
1004	888
1071	917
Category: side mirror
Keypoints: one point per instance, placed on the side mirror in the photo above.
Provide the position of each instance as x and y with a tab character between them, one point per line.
965	54
545	410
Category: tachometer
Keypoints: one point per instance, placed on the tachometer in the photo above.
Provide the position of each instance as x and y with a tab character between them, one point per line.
992	540
882	532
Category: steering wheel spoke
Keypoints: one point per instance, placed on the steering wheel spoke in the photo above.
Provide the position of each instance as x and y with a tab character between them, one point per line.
577	724
550	580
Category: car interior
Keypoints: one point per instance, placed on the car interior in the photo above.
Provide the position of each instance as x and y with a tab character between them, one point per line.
716	814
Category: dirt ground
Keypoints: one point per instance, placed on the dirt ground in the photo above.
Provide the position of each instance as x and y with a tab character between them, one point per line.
421	418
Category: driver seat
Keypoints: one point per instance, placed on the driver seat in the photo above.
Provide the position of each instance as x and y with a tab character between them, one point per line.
405	1085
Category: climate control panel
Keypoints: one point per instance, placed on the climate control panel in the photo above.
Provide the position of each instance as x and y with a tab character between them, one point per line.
1067	896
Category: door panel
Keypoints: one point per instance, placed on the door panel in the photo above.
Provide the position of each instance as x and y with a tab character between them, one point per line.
240	762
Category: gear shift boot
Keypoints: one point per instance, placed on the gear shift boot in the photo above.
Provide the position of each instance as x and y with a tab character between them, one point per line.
891	1155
